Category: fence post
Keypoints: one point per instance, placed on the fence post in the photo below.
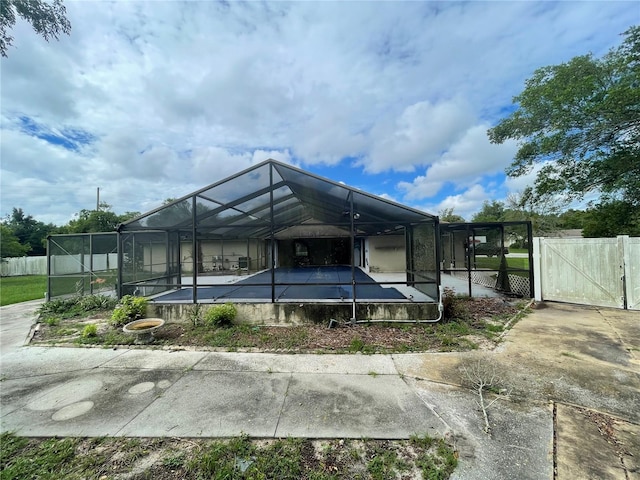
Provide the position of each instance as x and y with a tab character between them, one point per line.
538	243
623	255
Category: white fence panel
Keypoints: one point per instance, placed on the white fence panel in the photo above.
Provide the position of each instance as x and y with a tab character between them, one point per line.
68	264
632	272
587	271
105	261
16	266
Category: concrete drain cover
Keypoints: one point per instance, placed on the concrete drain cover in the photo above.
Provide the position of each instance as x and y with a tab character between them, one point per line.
141	388
72	411
66	394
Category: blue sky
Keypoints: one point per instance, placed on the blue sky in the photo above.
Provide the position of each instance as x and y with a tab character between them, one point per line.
150	100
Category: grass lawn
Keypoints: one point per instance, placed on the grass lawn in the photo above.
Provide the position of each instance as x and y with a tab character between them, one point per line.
22	289
235	458
493	263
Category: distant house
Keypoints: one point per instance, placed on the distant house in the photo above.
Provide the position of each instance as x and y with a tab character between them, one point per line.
570	233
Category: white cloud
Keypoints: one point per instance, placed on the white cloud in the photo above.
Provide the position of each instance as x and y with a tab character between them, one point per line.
417	136
465	162
464	204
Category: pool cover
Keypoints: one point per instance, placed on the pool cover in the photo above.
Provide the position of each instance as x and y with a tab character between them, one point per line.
334	284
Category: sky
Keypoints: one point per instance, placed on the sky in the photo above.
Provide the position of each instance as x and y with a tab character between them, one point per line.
153	100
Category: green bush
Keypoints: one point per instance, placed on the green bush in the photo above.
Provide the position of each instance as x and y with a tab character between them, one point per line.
89	331
220	315
75	306
129	309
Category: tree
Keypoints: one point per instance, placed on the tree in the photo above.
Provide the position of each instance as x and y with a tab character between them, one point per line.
47	19
10	246
448	215
572	219
611	219
580	121
30	232
493	211
93	221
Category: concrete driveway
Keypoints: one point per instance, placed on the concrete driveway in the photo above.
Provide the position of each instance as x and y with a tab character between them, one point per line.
573	374
581	363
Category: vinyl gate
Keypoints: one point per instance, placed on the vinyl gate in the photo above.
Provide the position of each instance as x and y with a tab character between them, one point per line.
590	271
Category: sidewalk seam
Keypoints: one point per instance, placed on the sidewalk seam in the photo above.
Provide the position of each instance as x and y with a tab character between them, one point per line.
404	377
284	399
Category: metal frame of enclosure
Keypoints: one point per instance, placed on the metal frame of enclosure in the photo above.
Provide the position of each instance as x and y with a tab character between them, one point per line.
273	217
276	234
82	264
479	254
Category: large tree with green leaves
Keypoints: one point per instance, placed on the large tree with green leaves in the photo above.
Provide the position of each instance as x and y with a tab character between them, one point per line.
449	215
101	220
47	19
611	219
10	246
580	121
31	233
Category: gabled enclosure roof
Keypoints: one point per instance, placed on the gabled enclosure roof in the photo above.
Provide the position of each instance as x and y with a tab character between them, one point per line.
240	206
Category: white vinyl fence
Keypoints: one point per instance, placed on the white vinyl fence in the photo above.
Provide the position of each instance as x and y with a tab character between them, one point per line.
70	264
590	271
60	264
16	266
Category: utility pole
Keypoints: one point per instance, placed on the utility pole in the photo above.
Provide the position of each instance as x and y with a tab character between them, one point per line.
98	200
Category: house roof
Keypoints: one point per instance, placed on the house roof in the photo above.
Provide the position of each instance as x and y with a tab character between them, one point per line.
240	206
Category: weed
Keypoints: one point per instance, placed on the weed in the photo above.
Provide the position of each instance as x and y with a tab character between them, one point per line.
74	307
52	321
385	464
454	305
494	328
194	314
568	354
454	328
90	331
356	345
438	465
130	308
238	458
174	460
373	374
220	315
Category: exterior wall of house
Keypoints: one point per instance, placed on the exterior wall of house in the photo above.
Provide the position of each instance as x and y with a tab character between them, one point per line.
228	255
387	254
155	257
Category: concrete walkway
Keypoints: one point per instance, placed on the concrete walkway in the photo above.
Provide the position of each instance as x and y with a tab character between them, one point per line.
135	392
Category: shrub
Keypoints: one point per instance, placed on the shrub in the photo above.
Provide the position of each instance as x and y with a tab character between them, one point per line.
130	308
89	331
96	302
220	315
75	306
